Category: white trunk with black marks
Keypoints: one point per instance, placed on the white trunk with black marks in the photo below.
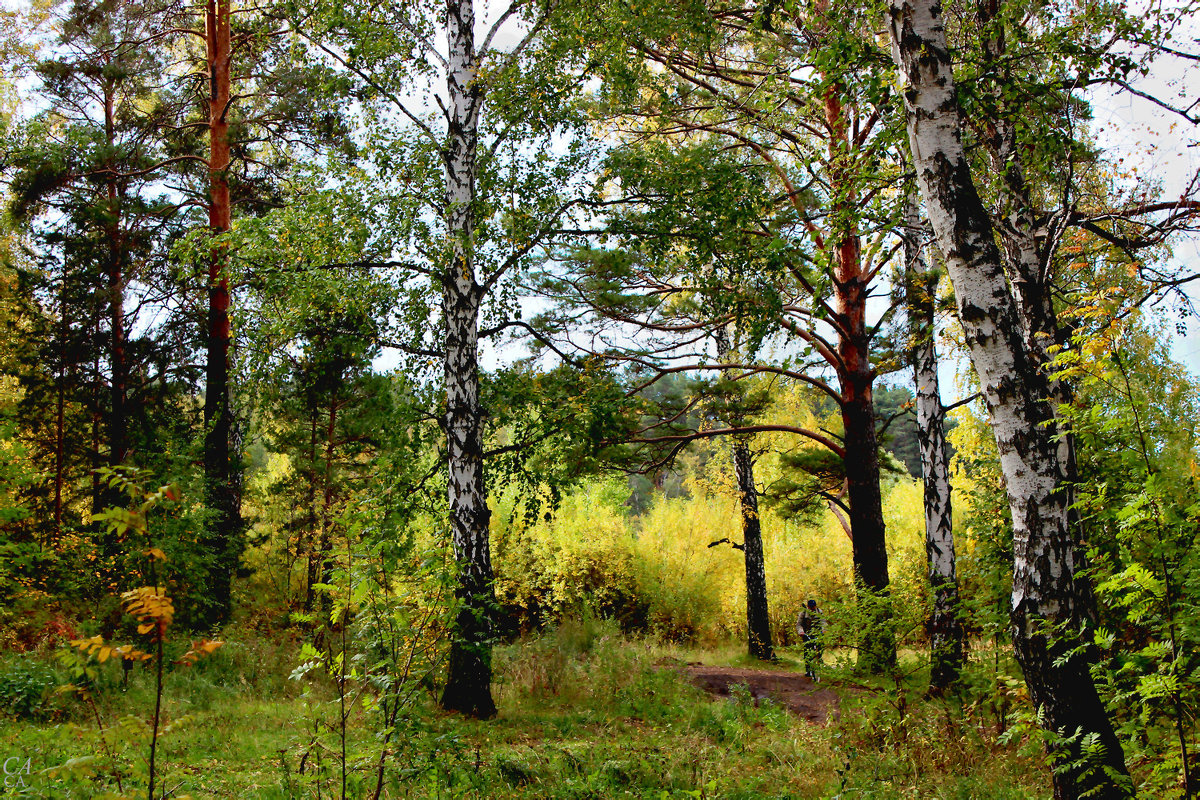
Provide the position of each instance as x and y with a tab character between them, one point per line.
1043	550
1024	261
946	635
1026	265
1027	258
468	684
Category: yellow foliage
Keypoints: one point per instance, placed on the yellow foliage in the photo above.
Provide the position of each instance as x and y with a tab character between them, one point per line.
204	647
661	562
150	605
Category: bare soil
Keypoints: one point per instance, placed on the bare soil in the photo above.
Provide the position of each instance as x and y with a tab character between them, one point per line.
793	691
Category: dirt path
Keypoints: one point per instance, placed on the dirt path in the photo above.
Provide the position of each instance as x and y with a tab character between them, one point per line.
790	689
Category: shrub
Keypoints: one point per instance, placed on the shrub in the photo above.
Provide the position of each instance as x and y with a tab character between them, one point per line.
26	689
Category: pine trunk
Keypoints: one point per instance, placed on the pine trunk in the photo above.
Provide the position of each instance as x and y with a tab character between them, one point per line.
221	493
758	620
1045	599
117	421
877	643
946	635
469	680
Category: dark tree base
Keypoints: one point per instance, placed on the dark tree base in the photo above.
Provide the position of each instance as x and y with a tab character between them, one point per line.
469	685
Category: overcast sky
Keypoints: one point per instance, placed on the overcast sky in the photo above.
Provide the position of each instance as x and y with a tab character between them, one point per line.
1164	147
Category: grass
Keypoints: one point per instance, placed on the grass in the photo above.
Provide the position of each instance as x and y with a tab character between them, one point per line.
584	714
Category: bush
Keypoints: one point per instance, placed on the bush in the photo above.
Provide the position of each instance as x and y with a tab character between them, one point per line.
32	622
26	689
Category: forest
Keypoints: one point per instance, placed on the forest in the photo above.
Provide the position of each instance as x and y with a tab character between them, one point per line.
599	398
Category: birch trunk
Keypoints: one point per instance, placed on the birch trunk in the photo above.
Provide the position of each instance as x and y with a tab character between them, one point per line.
95	456
1045	605
325	545
469	681
60	439
221	496
1026	253
946	635
308	539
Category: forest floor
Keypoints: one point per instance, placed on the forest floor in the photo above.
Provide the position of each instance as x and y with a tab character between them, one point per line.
584	713
797	693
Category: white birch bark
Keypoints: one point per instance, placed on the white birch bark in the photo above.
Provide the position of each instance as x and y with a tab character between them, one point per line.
1027	253
468	685
1044	593
946	639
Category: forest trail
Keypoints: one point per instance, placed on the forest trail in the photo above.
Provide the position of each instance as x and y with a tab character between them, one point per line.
793	691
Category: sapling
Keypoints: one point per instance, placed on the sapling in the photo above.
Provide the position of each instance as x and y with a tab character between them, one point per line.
150	606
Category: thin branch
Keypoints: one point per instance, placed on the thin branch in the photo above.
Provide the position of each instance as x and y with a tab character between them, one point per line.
741	430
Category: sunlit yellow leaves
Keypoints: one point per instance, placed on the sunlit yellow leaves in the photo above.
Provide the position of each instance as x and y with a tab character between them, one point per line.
128	652
204	647
150	605
88	645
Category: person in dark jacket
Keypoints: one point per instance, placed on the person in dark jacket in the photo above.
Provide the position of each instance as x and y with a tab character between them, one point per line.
810	627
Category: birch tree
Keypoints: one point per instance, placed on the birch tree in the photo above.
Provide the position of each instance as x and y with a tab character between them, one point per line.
758	617
465	105
947	637
1046	611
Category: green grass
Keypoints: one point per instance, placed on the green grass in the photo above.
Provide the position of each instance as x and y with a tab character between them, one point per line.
584	714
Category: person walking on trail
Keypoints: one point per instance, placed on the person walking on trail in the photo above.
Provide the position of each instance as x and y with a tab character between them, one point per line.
810	626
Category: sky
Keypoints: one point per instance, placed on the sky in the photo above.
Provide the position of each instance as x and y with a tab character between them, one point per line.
1164	147
1153	143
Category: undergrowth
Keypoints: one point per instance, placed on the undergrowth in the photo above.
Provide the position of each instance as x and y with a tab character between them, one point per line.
585	713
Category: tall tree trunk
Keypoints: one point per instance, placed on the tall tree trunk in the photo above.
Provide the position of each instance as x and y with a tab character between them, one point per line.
325	547
117	421
758	618
309	539
1026	256
110	543
469	680
946	635
60	440
59	450
877	642
95	457
1045	602
221	494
